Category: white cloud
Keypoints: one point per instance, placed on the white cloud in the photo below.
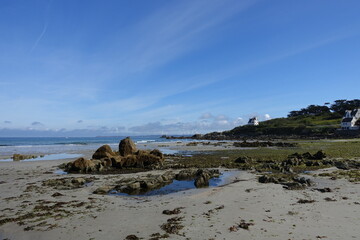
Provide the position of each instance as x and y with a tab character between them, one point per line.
206	116
267	116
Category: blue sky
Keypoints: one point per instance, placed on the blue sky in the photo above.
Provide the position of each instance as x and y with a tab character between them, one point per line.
86	68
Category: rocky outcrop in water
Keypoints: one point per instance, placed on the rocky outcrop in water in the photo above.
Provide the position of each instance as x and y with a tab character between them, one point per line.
105	160
143	184
18	157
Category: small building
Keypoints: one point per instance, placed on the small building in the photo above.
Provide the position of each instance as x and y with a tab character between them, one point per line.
253	121
351	120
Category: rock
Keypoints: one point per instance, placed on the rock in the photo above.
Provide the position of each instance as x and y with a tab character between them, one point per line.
117	162
186	174
78	181
145	159
320	155
102	190
107	162
158	153
342	165
293	186
18	157
132	188
132	237
129	161
202	178
266	179
126	147
81	165
104	151
243	160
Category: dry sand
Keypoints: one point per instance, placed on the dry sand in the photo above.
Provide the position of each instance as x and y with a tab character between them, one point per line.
271	211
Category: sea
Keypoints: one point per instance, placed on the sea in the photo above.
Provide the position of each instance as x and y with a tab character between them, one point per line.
53	148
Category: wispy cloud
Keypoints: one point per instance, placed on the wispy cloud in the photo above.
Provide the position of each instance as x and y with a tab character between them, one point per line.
39	38
175	30
37	124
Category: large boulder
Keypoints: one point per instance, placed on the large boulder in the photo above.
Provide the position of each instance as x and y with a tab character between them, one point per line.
127	147
104	151
202	178
81	165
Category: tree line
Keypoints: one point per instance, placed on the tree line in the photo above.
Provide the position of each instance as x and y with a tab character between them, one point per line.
338	107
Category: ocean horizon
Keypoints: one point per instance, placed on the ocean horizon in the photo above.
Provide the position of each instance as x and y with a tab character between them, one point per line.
61	145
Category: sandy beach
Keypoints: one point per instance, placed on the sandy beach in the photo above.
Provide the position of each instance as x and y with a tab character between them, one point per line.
241	209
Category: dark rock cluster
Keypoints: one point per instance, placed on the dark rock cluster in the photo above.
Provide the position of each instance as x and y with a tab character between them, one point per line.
143	184
104	159
263	144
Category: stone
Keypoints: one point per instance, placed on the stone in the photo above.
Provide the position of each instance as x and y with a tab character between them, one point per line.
320	155
18	157
186	174
145	158
102	190
158	153
127	147
104	151
243	160
81	165
202	178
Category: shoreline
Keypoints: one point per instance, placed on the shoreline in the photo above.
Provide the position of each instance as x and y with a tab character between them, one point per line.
268	210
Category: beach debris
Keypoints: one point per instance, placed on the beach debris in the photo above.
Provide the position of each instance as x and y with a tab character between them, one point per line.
242	224
303	201
157	236
173	225
67	183
330	199
172	212
323	190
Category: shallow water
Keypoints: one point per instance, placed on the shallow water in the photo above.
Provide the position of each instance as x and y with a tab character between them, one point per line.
47	157
178	186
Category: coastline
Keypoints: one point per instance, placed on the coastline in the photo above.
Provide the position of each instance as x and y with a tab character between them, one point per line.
271	211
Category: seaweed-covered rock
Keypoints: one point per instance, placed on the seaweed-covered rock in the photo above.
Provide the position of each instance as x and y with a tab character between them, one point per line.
104	151
320	155
102	190
243	160
127	147
145	158
202	178
186	174
81	165
158	153
267	179
18	157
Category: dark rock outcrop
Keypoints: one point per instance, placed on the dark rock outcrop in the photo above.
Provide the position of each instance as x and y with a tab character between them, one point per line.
81	165
126	147
104	151
18	157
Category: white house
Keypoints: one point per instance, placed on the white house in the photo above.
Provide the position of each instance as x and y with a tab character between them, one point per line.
351	120
253	121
